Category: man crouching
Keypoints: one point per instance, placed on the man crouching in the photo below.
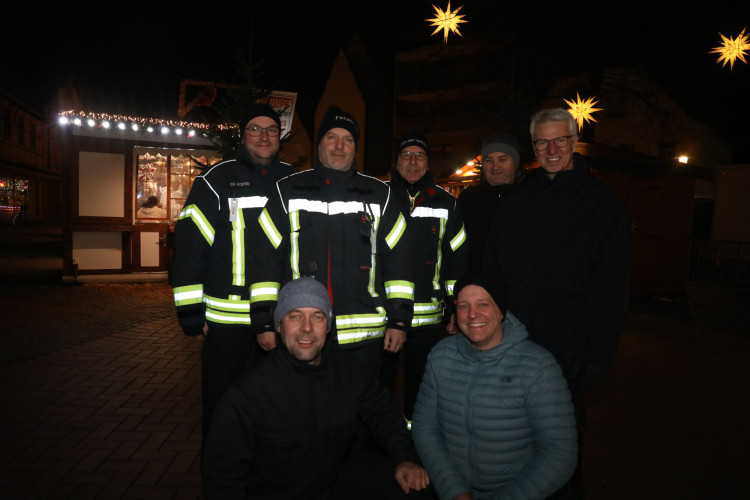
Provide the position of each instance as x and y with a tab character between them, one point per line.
287	428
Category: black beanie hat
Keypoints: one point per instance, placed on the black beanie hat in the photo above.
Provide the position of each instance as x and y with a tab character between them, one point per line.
336	118
501	142
413	138
487	280
259	109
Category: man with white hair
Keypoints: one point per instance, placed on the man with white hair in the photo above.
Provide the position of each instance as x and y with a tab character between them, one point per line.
561	243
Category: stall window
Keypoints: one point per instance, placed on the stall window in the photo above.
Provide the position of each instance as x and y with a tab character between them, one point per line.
152	189
164	181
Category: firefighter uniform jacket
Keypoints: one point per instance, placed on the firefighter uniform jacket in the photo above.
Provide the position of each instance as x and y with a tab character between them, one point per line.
439	249
345	230
213	234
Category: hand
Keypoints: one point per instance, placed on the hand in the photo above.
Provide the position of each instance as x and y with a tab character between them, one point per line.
394	340
411	476
205	329
451	326
267	340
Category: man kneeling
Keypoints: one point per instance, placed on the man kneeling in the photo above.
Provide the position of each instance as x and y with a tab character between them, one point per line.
287	428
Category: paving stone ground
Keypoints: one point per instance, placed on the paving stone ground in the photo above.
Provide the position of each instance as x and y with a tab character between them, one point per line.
100	394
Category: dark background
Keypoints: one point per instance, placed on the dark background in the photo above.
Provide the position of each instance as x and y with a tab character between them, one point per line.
130	60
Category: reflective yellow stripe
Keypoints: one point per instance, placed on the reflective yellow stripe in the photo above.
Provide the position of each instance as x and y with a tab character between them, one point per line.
269	228
459	239
194	213
399	289
264	290
189	294
396	232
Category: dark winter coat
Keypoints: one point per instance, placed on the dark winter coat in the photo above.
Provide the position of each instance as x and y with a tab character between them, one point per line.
439	249
563	250
345	230
285	429
214	233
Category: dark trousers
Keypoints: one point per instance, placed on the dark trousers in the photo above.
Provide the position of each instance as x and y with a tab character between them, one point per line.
228	350
419	343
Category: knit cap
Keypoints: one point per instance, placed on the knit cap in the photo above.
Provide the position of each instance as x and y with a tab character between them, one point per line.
303	292
256	110
487	280
413	138
501	142
336	118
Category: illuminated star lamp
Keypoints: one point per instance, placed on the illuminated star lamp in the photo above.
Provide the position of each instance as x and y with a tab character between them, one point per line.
447	20
732	49
581	110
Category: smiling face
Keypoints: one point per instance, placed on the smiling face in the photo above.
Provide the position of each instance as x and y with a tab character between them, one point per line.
336	149
264	147
499	168
553	158
412	168
303	331
479	317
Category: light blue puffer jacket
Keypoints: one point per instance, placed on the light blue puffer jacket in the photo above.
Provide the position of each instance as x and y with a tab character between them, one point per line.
496	423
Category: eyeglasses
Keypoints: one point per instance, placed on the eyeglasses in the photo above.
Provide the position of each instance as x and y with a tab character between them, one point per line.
560	142
418	155
255	131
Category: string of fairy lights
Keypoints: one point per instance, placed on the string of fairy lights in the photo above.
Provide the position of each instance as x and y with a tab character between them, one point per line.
105	121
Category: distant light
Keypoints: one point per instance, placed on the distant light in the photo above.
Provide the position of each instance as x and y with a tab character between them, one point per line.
77	122
191	133
164	130
470	164
458	172
121	126
134	126
105	124
91	122
682	159
63	120
178	131
150	129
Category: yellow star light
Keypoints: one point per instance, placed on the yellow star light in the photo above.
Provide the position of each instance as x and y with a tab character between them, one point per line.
581	110
732	49
447	21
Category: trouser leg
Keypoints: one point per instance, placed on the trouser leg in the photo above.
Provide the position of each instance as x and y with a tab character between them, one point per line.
226	354
419	342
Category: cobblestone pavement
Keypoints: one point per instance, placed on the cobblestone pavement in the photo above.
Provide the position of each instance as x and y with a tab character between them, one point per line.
100	395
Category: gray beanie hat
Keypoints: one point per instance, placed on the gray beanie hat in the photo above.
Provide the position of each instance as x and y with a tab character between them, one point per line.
501	142
303	292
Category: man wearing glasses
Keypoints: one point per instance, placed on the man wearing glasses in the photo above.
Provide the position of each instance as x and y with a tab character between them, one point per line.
439	258
561	244
214	235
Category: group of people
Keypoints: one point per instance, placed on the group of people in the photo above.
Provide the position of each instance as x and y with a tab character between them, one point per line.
507	303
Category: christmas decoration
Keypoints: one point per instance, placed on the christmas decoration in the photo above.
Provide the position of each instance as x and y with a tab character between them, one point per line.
581	110
732	49
447	20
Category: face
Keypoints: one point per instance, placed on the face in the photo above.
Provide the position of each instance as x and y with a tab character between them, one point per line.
555	159
303	331
412	169
479	318
336	149
263	148
499	168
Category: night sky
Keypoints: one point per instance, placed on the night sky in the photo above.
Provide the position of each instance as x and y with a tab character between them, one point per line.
131	61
